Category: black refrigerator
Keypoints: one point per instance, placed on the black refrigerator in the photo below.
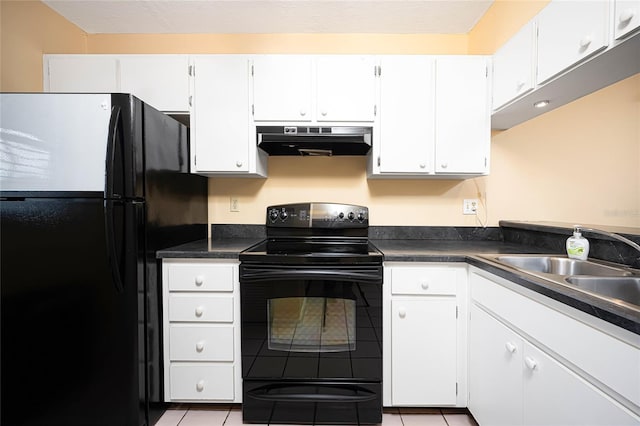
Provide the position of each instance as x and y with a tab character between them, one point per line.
91	186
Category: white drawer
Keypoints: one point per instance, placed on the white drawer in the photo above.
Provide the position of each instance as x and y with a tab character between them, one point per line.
201	277
424	280
201	342
201	307
604	357
201	381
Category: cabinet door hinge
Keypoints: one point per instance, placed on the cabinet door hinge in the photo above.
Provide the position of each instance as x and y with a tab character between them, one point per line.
251	70
375	110
456	312
192	71
190	100
195	160
253	109
378	161
456	388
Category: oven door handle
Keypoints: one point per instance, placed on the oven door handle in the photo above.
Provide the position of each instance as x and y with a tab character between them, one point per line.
290	392
258	274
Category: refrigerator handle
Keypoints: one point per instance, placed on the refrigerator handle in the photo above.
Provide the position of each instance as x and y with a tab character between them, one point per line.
112	151
112	251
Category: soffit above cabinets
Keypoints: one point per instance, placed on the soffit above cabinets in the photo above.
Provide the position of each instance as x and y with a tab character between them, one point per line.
272	16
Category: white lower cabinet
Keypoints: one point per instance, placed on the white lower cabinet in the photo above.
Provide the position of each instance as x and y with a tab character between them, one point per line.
201	328
424	335
516	379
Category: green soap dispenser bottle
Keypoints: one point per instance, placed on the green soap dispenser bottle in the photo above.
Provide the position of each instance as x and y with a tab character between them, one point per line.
577	245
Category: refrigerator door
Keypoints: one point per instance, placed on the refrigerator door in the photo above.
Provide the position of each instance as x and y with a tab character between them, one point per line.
70	315
54	142
175	213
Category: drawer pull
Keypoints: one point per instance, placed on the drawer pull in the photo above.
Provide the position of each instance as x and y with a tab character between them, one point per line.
200	346
510	347
530	362
626	16
402	312
425	286
199	311
200	386
199	280
585	42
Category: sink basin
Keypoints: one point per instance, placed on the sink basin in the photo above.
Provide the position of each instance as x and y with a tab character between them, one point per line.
558	265
626	289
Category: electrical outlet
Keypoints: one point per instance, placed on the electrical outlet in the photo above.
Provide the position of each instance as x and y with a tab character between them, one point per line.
234	205
470	206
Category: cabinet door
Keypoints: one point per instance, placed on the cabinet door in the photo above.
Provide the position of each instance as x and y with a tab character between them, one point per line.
627	17
282	88
162	81
495	371
81	74
463	118
345	88
513	67
220	115
423	351
568	32
553	395
406	115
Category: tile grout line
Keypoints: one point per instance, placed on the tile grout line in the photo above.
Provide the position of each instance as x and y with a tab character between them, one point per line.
183	416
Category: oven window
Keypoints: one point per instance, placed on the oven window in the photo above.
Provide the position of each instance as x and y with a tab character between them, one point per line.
312	324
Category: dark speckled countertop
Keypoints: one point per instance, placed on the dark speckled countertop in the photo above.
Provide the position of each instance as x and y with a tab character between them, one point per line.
444	245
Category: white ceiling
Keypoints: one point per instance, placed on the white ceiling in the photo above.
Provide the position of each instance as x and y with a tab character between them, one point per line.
272	16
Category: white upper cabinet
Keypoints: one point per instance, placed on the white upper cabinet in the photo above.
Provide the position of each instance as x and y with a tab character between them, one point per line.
313	89
462	120
569	32
162	81
513	66
222	138
626	17
81	73
159	80
282	88
346	88
405	142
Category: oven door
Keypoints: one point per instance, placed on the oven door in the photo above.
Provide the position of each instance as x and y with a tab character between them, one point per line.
311	343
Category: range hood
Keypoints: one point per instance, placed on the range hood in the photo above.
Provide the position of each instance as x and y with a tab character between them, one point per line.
314	141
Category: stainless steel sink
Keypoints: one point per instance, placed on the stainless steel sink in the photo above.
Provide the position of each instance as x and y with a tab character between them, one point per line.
614	283
558	265
626	289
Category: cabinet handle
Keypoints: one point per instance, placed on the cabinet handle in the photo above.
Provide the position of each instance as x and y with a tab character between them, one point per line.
519	85
530	362
324	113
199	311
303	112
444	165
510	347
425	285
200	346
199	280
585	42
402	312
626	16
238	163
200	386
422	165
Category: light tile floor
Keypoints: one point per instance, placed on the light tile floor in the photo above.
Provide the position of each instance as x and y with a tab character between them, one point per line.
224	415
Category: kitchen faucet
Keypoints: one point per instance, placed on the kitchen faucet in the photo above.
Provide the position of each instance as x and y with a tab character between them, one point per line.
615	237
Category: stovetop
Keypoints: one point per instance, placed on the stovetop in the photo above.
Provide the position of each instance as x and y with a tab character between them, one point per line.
313	250
315	233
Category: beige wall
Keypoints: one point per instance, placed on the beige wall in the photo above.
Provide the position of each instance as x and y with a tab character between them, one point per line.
578	163
28	29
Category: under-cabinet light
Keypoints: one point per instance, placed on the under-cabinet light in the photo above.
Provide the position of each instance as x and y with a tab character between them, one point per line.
541	104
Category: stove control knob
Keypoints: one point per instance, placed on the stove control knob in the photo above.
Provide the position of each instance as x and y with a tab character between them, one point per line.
284	215
273	215
351	216
340	215
361	217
